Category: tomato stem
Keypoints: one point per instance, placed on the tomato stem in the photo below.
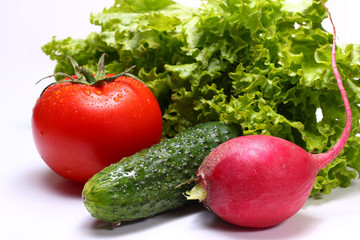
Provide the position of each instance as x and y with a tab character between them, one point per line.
81	72
84	76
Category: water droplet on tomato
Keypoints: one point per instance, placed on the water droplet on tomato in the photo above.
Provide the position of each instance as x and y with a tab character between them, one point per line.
126	90
98	92
116	99
120	95
87	92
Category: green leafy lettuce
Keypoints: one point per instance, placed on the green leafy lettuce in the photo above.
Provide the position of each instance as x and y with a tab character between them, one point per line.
265	65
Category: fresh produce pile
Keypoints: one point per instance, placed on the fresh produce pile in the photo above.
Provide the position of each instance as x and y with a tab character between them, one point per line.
264	67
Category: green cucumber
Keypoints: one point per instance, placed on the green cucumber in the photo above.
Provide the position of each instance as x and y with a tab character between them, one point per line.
145	184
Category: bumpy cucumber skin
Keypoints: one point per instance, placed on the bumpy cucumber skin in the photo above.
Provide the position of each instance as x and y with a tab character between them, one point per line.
143	184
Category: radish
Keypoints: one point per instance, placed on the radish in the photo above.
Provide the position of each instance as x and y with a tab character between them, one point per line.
259	181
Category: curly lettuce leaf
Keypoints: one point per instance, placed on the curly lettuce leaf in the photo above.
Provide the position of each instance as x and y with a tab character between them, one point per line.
265	65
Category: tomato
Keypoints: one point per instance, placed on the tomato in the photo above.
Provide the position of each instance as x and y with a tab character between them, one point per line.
79	129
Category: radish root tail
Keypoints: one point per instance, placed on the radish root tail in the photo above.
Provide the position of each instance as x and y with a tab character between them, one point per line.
325	158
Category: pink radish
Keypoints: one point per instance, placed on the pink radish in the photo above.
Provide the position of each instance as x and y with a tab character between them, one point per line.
259	181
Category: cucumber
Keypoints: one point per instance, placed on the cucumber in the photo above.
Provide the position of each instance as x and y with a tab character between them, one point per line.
145	184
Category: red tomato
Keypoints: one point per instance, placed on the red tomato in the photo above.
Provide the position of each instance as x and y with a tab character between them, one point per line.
80	129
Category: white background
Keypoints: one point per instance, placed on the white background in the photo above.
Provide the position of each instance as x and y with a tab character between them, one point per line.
35	203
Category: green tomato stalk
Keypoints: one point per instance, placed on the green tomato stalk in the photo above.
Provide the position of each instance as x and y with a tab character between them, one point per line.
84	76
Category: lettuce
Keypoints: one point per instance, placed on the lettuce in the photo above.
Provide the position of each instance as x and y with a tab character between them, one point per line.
265	65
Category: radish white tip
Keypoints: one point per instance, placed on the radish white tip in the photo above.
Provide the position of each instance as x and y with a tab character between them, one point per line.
196	193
